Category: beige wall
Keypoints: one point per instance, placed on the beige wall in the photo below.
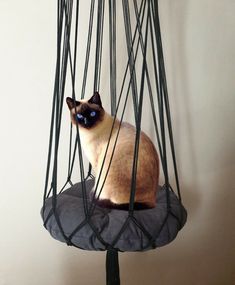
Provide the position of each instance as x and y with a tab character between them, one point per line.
199	42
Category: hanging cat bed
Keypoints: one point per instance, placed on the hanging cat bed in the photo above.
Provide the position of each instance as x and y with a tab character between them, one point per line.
146	229
68	212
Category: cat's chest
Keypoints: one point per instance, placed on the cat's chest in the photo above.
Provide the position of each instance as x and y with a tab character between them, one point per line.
93	149
95	142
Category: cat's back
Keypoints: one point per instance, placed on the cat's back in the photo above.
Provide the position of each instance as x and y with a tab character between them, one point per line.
122	146
119	164
147	154
128	138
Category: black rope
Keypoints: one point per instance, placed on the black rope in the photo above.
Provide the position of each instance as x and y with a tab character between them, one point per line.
166	98
78	142
73	74
148	78
121	92
112	52
147	27
99	42
124	107
127	23
112	267
138	126
68	20
88	48
59	86
131	217
57	74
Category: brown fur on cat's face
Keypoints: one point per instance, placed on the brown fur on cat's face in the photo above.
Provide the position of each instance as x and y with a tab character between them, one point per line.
87	114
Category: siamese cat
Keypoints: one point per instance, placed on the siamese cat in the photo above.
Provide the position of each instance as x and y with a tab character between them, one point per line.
95	127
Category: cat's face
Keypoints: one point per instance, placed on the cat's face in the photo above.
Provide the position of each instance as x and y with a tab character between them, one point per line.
87	114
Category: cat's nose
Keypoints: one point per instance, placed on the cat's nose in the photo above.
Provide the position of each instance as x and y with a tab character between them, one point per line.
85	121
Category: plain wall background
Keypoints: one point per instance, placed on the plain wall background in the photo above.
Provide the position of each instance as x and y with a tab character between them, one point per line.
199	45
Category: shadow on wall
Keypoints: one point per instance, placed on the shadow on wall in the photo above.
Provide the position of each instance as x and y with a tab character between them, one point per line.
181	100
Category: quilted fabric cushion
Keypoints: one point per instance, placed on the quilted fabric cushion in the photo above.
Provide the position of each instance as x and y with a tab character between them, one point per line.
157	226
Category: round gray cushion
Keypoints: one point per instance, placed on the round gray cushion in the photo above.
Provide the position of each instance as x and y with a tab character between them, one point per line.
160	222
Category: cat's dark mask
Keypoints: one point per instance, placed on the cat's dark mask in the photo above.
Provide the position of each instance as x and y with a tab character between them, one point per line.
86	113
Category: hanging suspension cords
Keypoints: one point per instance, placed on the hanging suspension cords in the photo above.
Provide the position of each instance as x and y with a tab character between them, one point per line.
112	52
127	22
141	34
99	42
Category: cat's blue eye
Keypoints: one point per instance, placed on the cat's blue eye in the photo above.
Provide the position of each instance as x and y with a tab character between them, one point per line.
92	114
80	116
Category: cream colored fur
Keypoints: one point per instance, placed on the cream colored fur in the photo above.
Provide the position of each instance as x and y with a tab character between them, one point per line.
118	181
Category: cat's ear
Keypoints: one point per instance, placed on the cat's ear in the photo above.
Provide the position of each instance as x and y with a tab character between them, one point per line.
95	99
72	103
